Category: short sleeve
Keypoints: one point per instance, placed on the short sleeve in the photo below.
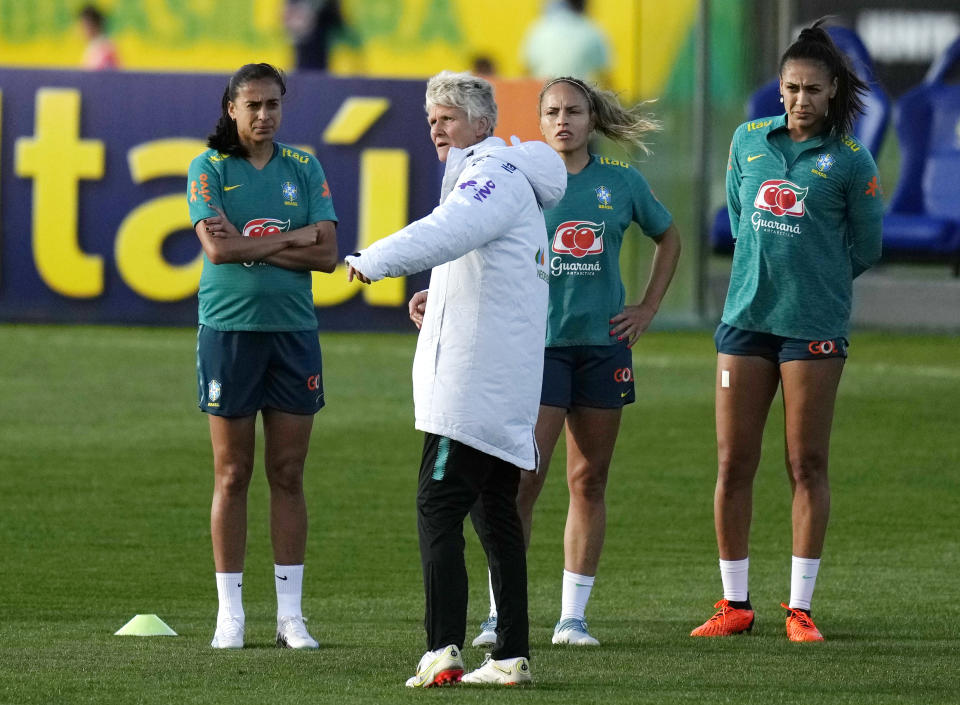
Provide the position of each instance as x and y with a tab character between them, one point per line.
648	212
203	188
321	200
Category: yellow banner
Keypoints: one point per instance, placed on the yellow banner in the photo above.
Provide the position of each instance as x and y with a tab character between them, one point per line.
399	38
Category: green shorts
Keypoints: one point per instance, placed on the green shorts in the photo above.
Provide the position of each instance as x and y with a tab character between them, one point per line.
241	372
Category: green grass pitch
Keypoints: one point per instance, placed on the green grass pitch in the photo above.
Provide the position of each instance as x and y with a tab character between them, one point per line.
105	482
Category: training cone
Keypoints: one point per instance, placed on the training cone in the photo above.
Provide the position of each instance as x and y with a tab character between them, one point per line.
145	625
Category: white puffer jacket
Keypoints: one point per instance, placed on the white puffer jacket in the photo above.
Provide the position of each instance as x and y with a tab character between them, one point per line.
479	361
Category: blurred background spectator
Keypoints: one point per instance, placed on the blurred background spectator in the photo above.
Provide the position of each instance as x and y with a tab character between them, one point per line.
483	65
565	42
312	26
100	53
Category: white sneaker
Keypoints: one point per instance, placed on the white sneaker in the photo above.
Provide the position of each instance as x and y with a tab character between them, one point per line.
441	667
508	671
229	634
488	633
292	634
573	631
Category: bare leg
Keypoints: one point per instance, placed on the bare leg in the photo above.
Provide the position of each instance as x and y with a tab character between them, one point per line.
741	410
591	436
233	444
809	396
287	438
549	424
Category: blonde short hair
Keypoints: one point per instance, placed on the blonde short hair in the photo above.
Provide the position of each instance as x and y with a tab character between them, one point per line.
471	94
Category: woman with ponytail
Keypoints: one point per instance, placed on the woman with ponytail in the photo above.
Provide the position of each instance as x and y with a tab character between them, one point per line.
806	208
263	213
591	329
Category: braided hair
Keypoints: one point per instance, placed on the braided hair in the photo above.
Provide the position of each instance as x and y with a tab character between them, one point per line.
611	119
814	44
225	138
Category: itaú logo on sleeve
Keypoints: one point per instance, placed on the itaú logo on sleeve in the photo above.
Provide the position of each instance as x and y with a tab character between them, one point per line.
578	238
781	198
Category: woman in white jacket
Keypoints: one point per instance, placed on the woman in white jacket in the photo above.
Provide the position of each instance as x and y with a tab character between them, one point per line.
478	365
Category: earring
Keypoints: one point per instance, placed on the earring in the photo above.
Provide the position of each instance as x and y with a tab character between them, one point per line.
781	98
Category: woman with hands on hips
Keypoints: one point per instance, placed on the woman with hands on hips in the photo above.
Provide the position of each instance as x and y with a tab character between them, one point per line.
588	370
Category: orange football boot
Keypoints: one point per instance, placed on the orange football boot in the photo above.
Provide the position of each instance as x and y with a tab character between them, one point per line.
726	622
800	626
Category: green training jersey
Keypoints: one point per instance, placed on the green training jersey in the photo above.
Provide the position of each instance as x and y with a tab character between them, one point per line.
586	232
807	220
289	192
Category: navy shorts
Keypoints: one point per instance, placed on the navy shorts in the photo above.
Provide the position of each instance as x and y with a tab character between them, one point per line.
241	372
598	376
776	348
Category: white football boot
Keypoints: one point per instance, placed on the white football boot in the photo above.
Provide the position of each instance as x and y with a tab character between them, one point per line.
441	667
292	634
229	634
508	671
573	631
488	633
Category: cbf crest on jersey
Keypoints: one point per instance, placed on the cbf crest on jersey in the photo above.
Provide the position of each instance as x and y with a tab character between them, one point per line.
825	162
290	193
604	198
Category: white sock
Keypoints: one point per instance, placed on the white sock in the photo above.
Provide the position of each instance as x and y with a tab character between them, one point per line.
289	581
803	578
493	601
735	578
230	594
576	594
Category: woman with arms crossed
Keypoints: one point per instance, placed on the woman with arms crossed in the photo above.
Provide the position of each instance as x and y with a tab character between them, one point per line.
588	369
263	213
806	207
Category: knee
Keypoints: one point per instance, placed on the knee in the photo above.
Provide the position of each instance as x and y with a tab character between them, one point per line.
588	483
233	478
735	470
528	491
808	468
286	476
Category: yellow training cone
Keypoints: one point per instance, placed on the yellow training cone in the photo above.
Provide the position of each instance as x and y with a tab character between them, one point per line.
145	625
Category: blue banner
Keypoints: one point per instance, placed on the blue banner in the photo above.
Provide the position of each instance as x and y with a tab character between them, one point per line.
93	190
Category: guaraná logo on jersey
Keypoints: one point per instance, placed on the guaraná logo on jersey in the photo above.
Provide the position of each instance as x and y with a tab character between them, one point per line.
781	198
578	238
262	227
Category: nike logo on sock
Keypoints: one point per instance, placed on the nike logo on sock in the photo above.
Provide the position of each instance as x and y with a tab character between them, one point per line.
281	577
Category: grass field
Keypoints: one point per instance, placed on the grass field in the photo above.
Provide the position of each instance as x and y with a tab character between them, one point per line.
105	482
